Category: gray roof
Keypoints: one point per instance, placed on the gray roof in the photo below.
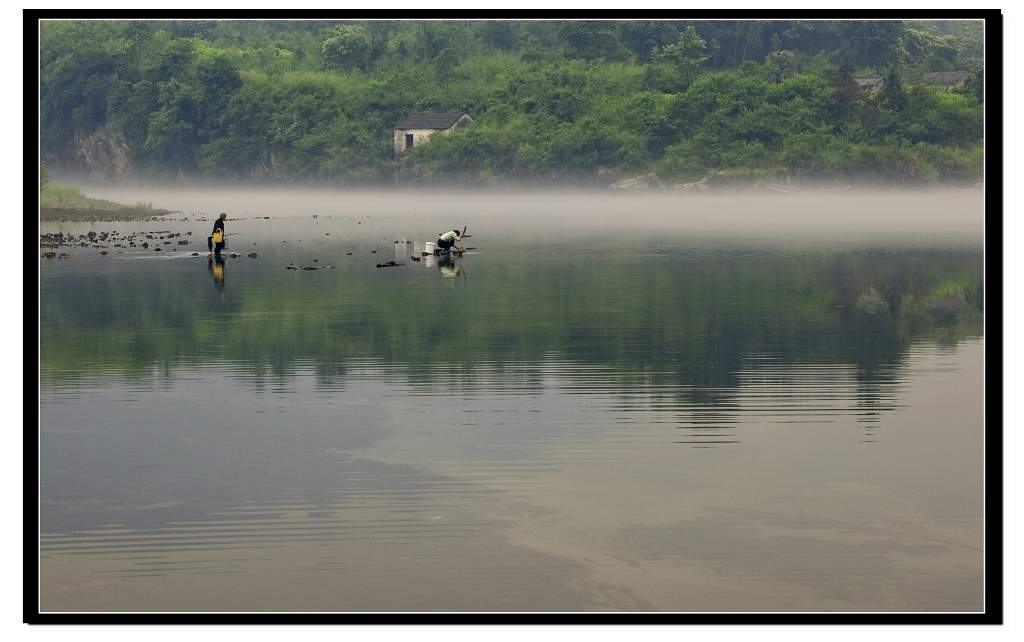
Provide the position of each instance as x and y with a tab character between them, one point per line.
868	81
945	77
431	120
941	78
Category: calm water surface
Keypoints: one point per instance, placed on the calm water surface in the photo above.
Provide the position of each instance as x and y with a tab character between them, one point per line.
643	416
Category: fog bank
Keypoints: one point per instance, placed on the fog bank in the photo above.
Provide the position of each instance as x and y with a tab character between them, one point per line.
819	215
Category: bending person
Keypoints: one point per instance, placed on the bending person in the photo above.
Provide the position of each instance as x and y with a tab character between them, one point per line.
447	240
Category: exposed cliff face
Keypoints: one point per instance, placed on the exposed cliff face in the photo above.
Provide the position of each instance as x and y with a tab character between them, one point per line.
103	154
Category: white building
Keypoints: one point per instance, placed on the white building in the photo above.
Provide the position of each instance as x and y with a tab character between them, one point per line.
417	128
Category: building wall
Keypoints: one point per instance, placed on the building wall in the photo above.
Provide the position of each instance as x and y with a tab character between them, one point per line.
419	136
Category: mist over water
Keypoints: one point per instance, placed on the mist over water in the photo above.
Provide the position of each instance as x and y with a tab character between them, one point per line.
877	215
664	402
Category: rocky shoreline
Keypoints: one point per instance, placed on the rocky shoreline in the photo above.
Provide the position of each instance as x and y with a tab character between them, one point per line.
105	241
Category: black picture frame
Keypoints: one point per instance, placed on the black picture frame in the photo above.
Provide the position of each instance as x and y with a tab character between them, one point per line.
993	428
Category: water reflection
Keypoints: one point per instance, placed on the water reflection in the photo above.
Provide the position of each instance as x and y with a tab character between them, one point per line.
448	267
678	316
383	425
215	263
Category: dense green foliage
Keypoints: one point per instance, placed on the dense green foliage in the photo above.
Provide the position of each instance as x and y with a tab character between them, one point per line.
316	101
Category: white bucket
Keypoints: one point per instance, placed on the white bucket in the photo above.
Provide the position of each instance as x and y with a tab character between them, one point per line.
429	247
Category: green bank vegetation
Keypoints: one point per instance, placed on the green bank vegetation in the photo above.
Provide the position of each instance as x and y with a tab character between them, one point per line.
68	203
71	198
551	100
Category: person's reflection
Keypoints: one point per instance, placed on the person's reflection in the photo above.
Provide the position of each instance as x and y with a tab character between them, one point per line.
215	263
448	268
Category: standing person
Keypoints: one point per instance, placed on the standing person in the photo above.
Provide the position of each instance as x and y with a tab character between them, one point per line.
217	237
447	240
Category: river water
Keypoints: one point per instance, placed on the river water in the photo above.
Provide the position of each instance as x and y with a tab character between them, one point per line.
612	403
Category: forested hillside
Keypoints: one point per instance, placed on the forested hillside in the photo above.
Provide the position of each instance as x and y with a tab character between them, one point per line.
315	101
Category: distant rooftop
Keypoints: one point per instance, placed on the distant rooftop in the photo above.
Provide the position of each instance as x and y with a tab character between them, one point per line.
945	78
940	78
431	120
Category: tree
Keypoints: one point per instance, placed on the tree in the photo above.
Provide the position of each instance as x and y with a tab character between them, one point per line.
643	37
893	96
687	53
780	65
680	63
844	92
591	40
975	85
380	32
443	64
171	134
166	59
499	34
216	79
347	47
44	176
872	43
930	51
434	37
748	35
